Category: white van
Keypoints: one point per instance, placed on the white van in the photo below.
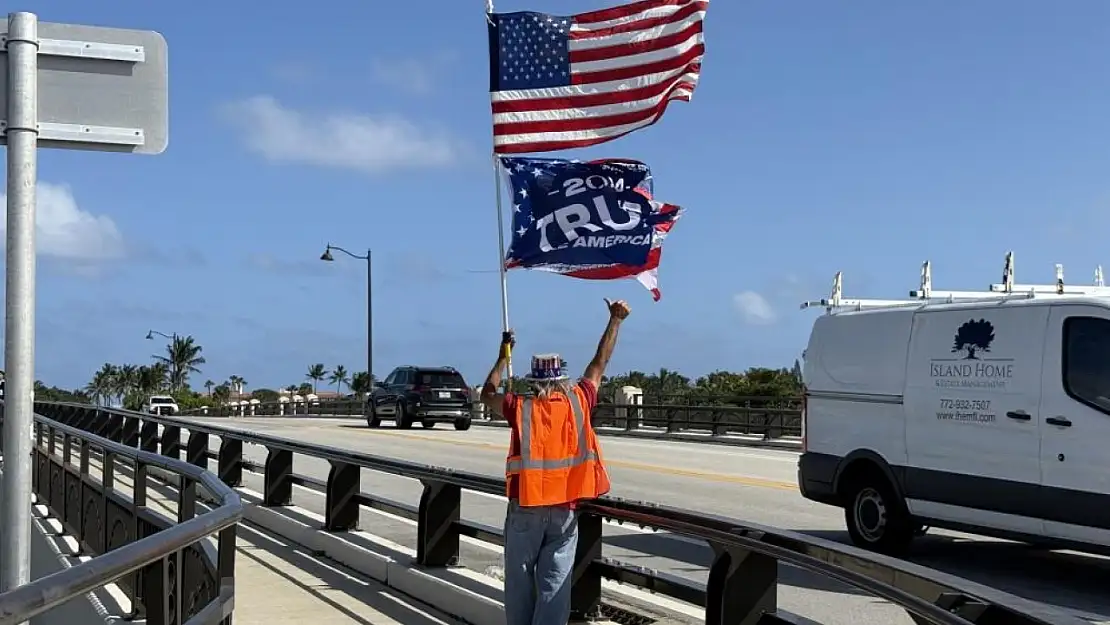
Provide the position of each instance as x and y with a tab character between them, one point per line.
986	412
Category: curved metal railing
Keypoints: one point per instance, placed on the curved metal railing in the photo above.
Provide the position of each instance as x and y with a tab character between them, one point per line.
141	544
743	577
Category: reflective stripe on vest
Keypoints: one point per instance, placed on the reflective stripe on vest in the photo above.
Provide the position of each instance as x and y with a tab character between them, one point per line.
585	454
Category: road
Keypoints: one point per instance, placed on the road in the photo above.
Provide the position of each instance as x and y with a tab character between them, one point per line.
752	484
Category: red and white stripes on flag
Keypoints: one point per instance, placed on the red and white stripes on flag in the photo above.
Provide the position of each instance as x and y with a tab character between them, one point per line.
560	82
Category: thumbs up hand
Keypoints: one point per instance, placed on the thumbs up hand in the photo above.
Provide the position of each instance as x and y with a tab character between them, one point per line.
618	309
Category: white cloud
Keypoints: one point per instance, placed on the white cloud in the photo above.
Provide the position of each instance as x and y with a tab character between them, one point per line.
292	72
370	144
754	308
414	76
64	231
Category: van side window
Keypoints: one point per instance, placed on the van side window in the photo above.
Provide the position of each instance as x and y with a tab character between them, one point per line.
1087	361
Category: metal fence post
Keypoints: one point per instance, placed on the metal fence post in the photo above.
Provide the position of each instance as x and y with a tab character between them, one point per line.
230	461
585	592
437	538
130	432
196	450
742	587
341	507
148	437
171	441
278	478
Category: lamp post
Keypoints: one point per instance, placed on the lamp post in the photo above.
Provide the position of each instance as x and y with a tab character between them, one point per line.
173	365
326	256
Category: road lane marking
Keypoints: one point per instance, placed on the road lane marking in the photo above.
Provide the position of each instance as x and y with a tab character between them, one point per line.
743	480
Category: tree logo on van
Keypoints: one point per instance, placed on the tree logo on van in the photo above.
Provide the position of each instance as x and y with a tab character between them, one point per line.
974	337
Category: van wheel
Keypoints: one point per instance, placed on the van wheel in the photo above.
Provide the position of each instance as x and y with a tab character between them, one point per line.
876	516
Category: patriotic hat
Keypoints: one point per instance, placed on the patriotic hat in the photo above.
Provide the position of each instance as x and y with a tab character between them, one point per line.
547	368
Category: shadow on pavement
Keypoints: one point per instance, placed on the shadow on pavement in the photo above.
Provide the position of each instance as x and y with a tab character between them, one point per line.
1068	579
328	580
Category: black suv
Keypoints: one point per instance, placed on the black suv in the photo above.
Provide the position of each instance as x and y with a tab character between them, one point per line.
429	395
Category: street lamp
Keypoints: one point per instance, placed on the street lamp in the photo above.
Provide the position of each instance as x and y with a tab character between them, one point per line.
327	257
173	365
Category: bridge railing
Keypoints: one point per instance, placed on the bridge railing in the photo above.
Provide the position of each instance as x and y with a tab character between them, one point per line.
174	571
743	578
768	417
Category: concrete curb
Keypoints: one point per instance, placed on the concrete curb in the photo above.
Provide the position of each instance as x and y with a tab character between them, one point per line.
443	589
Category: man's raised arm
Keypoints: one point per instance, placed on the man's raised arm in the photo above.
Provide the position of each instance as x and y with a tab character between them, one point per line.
493	400
618	310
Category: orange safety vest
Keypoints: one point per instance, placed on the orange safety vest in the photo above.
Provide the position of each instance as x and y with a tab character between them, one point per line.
557	459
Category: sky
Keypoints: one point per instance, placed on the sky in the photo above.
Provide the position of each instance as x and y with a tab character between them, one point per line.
863	136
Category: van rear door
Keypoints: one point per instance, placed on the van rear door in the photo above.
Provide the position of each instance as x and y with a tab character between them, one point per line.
972	397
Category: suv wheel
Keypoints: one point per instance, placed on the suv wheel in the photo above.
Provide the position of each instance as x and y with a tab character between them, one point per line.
428	424
404	421
462	424
876	516
372	420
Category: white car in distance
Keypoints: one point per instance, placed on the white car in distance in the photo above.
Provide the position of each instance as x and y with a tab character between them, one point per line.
161	405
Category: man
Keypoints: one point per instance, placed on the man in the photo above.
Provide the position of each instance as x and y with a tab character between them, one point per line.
554	461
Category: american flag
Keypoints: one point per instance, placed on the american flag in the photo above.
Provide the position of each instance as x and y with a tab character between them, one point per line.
560	82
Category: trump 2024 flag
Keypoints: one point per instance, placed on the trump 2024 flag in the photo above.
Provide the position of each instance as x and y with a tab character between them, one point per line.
594	220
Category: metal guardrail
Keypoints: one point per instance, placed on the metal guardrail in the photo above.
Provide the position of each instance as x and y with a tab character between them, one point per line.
769	417
743	578
162	565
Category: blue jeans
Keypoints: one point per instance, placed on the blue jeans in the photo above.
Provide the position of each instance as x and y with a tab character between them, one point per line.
539	556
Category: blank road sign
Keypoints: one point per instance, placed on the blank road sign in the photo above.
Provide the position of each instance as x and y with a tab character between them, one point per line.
103	89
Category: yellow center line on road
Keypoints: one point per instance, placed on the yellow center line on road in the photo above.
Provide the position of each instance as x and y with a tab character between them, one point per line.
636	466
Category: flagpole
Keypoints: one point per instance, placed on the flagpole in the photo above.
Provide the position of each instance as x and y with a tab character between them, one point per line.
501	266
501	247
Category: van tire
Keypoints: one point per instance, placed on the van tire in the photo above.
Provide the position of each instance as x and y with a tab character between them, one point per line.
876	516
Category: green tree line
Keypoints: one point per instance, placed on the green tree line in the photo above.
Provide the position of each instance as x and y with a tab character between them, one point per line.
130	384
669	386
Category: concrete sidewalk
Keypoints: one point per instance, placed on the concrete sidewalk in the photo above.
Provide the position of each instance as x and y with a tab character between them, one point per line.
276	582
45	560
280	582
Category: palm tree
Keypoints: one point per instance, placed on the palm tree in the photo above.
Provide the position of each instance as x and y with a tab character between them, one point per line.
127	380
316	373
100	387
339	377
208	384
182	357
361	383
158	374
236	383
222	393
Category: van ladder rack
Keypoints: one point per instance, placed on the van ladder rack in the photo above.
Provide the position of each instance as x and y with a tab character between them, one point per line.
924	294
